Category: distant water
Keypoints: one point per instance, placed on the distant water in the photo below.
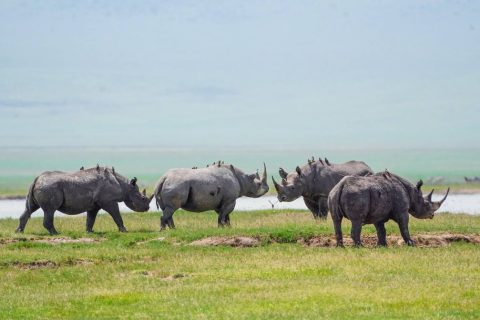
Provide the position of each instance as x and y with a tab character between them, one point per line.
18	166
456	203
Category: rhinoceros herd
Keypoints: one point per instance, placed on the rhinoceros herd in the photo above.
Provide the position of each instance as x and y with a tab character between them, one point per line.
348	190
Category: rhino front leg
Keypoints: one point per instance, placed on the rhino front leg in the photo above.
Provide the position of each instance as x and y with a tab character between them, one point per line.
381	234
112	209
312	205
224	214
323	208
403	224
48	221
91	216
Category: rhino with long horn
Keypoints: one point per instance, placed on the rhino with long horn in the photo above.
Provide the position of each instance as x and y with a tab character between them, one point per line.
314	181
212	188
376	199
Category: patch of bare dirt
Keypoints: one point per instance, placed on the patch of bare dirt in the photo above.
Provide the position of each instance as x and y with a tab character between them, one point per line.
150	240
422	240
48	264
56	240
227	241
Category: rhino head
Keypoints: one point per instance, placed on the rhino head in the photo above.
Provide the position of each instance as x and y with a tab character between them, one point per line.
134	199
292	185
424	207
255	185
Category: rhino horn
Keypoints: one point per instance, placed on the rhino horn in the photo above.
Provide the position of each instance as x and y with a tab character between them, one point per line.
429	196
419	184
276	185
264	178
257	175
445	197
284	181
299	171
144	192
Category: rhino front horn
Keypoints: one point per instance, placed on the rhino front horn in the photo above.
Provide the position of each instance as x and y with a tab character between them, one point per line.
276	185
445	197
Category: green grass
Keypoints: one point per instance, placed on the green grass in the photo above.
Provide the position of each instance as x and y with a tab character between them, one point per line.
169	279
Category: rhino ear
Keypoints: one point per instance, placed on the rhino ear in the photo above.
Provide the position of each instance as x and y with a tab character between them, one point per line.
419	184
133	181
299	171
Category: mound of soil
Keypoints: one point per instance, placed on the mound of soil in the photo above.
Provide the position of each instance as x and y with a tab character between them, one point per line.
227	241
423	240
56	240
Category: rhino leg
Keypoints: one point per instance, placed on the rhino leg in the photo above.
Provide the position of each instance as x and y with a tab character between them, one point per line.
355	232
26	215
91	216
112	209
381	234
224	214
167	218
403	224
337	223
48	221
323	208
313	207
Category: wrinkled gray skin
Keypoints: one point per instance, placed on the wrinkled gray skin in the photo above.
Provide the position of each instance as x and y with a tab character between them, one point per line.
216	187
314	181
87	190
375	200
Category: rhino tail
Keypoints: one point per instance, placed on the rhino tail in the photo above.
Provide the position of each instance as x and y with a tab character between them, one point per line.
30	202
334	201
158	192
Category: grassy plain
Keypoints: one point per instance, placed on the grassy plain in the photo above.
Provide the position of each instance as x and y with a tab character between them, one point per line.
145	274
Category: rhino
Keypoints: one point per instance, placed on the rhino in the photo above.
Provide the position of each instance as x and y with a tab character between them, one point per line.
87	190
216	187
376	199
314	181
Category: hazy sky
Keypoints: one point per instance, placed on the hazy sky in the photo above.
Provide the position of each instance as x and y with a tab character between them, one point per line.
344	74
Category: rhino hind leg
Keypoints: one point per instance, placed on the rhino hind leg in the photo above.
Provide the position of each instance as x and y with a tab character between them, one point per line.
91	216
381	234
167	218
356	232
114	211
31	208
337	224
48	221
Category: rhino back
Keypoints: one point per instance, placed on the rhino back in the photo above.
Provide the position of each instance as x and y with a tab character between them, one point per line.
73	193
199	189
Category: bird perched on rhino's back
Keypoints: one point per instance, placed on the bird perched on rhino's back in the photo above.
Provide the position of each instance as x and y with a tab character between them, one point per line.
216	187
87	190
376	199
314	181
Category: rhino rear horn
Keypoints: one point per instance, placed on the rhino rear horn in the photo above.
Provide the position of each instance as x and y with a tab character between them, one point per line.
264	178
419	184
429	196
144	192
299	171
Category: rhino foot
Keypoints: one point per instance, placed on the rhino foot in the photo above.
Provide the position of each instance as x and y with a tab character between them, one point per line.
19	230
53	232
122	229
411	243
